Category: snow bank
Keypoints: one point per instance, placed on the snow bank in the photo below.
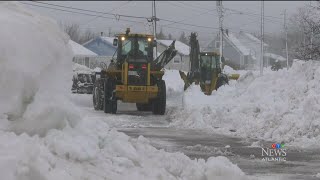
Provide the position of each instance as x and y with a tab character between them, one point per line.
107	153
93	151
279	106
34	72
78	68
174	83
35	80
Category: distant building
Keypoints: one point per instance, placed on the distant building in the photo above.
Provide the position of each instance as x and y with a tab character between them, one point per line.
103	47
181	60
82	55
242	51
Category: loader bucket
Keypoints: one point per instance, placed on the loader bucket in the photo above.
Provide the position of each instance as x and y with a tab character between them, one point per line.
234	76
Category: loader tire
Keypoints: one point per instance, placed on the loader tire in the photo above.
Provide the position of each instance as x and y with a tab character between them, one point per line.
159	104
98	95
144	107
110	104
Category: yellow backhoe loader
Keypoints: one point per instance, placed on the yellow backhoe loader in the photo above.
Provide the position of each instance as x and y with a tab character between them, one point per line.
205	69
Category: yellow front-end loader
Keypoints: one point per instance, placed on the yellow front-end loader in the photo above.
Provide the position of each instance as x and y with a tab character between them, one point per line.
134	77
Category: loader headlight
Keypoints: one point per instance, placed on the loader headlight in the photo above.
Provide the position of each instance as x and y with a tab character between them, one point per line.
123	38
149	39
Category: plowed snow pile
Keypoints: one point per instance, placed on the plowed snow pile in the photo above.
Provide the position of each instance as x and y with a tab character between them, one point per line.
35	79
279	106
34	72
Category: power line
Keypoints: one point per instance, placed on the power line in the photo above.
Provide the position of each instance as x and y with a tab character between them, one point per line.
114	18
199	26
186	29
253	14
91	20
99	12
187	18
57	9
197	7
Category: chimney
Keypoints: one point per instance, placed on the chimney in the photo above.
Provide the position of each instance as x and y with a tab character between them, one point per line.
101	34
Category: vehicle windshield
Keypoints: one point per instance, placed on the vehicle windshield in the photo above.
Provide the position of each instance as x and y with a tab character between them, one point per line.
135	47
209	62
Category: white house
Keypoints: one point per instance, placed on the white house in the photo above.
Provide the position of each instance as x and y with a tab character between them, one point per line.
181	60
242	51
82	55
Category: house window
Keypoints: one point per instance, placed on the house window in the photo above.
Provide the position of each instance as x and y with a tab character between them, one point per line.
177	59
217	44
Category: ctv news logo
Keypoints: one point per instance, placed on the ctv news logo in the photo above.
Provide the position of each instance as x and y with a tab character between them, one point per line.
277	152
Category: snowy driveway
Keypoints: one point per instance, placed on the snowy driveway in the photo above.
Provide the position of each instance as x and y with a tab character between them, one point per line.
199	143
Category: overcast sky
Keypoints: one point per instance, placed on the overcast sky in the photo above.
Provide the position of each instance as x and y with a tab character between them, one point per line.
202	13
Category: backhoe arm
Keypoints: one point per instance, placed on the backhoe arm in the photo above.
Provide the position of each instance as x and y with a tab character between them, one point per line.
165	57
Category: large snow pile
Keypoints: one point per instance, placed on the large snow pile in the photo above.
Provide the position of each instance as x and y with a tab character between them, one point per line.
174	83
35	72
35	67
279	106
93	151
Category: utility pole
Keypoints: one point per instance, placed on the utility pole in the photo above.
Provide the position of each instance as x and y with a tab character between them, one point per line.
311	42
219	8
154	20
286	31
262	38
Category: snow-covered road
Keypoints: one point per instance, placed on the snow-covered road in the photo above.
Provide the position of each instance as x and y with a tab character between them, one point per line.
201	143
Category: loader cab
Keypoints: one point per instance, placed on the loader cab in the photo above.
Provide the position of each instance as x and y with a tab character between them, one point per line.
135	48
135	53
209	65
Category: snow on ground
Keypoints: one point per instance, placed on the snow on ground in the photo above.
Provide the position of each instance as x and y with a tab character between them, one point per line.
174	84
34	72
78	68
279	106
45	137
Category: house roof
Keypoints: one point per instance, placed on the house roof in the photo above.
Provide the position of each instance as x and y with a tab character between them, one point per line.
246	43
235	41
107	39
80	50
250	36
275	56
180	46
102	45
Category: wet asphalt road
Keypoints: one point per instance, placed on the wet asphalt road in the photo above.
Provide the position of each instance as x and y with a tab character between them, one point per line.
195	143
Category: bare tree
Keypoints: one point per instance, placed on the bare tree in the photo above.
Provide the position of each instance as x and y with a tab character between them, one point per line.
86	36
74	31
304	33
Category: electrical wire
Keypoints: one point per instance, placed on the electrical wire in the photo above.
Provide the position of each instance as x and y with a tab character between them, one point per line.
99	12
129	16
74	12
93	19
